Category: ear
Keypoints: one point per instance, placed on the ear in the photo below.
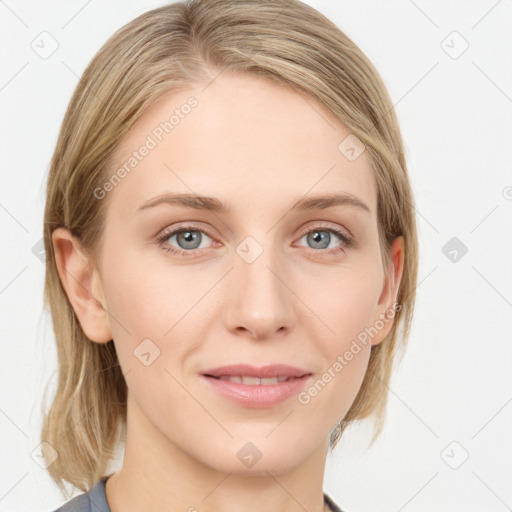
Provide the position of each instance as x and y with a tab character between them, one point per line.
82	284
387	300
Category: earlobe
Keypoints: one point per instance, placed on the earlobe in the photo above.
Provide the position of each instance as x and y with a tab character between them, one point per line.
82	284
387	300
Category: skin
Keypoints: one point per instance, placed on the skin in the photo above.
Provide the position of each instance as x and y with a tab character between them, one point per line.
258	146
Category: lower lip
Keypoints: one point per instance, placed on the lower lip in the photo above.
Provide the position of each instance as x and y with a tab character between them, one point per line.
257	396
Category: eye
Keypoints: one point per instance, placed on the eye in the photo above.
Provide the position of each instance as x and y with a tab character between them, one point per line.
321	237
189	238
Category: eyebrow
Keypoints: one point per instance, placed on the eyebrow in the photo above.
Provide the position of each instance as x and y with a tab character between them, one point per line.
310	202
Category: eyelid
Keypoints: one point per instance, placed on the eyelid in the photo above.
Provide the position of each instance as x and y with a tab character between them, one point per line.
346	239
324	224
184	225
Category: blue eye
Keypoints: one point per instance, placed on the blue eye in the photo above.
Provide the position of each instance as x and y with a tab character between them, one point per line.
323	237
190	238
320	237
187	236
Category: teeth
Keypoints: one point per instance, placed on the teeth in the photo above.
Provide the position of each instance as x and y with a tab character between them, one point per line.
236	379
253	381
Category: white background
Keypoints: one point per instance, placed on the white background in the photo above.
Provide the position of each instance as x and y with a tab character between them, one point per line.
454	383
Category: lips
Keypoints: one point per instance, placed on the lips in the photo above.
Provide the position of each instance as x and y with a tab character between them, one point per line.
252	375
254	381
252	387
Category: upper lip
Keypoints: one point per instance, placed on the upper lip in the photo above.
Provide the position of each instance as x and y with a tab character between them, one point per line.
268	371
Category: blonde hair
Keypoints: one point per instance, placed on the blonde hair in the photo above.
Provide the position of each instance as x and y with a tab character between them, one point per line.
170	48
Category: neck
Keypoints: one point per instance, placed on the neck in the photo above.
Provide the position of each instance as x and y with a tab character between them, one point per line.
159	475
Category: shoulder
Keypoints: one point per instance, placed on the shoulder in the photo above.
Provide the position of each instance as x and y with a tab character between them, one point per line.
94	500
77	504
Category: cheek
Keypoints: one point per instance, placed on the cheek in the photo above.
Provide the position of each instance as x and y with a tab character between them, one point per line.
154	311
148	297
346	302
332	392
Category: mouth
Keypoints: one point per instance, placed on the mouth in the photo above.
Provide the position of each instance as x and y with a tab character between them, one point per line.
252	375
254	381
256	387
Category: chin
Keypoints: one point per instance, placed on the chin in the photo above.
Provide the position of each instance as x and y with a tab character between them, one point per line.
256	458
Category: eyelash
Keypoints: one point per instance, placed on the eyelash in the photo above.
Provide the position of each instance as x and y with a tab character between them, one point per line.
347	241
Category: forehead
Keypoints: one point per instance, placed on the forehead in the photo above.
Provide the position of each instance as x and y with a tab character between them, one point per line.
244	139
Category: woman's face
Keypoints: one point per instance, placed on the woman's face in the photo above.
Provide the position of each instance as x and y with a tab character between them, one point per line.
252	279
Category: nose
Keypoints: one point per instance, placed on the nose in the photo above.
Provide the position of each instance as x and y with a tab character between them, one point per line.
259	299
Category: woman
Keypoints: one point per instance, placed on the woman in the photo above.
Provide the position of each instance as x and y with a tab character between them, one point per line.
231	259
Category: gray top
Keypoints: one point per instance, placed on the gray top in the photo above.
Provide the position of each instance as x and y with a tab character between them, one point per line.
96	501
